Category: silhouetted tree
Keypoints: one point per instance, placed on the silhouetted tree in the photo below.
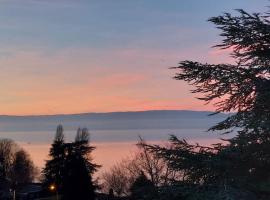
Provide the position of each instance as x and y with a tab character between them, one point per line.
8	149
242	87
54	168
15	163
16	167
239	169
78	183
22	170
123	174
142	188
118	179
70	168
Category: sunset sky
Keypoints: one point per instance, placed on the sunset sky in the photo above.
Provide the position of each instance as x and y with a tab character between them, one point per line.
73	56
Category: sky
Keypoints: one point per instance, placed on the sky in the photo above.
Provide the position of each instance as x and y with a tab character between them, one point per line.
77	56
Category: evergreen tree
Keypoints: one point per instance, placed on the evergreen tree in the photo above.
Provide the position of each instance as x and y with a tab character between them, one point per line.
239	169
70	168
54	169
78	183
243	87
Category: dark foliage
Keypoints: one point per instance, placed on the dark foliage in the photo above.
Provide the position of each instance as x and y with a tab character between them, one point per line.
16	166
71	167
143	188
237	168
23	170
243	87
54	168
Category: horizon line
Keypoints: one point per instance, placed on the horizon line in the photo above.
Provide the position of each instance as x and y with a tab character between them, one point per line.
85	113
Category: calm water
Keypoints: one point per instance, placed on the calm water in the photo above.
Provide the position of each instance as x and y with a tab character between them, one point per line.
111	145
114	135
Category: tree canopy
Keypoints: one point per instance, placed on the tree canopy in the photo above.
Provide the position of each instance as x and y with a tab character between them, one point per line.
243	87
237	168
70	167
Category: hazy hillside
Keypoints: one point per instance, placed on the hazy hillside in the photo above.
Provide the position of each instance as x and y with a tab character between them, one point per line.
172	119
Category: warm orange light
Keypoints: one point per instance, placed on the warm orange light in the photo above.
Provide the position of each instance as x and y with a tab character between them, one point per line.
52	187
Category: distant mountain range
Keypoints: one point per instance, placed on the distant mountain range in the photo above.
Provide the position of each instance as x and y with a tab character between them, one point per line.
153	119
118	115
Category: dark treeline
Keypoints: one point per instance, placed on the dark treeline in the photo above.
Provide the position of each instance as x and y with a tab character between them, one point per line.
234	169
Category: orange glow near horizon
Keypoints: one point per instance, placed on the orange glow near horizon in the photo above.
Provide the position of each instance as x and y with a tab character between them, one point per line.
104	154
72	109
108	82
65	57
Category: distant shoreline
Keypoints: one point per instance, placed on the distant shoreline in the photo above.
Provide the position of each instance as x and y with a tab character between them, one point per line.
109	113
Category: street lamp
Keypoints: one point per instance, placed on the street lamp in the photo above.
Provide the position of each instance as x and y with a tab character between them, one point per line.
53	188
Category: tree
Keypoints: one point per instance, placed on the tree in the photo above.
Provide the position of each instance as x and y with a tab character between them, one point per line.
241	87
23	170
142	188
244	89
54	168
239	169
78	182
122	175
154	167
118	179
70	168
16	167
7	152
16	164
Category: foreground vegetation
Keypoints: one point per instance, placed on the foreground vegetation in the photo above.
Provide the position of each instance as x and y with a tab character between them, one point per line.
69	171
236	169
239	167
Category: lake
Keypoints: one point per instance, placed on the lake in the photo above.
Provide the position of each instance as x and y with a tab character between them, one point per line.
114	135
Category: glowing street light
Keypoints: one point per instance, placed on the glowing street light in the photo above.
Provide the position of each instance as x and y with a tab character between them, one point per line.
52	188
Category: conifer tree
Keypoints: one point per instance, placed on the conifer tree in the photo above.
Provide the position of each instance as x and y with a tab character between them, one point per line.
54	169
239	169
70	168
78	181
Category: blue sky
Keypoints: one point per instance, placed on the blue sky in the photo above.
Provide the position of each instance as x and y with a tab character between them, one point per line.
65	56
109	24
